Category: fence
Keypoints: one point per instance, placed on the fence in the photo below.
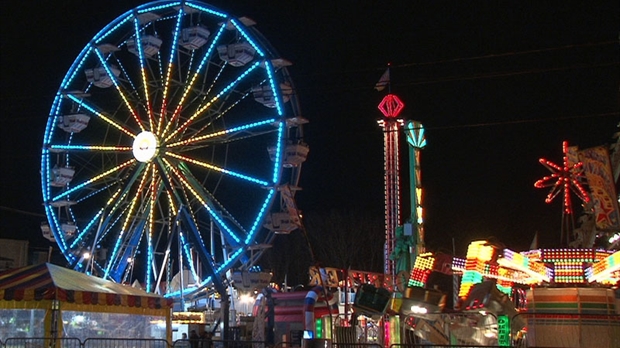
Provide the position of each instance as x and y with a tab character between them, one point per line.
543	330
48	342
566	330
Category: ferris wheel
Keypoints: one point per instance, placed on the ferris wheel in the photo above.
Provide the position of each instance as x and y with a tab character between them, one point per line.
173	147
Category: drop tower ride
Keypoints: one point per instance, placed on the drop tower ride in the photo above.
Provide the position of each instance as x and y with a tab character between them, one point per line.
390	107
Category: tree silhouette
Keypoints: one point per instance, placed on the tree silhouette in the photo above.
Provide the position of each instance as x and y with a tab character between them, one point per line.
339	239
347	239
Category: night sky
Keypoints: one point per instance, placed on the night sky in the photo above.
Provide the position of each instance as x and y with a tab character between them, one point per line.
497	85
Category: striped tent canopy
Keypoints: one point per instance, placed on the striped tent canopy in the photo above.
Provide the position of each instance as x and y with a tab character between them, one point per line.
51	282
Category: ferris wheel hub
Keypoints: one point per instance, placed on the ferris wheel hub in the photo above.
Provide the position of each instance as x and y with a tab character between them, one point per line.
145	146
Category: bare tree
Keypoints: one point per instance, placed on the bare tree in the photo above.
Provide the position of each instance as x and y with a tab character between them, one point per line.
340	239
289	258
346	239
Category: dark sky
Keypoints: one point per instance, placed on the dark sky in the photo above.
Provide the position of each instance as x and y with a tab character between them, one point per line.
497	84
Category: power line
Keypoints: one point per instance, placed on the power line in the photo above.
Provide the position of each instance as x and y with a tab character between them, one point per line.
534	120
512	122
506	74
501	55
23	212
460	59
455	78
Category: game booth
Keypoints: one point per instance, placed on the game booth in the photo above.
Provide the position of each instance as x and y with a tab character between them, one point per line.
50	301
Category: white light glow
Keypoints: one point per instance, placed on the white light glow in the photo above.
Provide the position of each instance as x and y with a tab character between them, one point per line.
145	146
245	298
419	310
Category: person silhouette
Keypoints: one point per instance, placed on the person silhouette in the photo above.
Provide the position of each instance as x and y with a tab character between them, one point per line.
193	339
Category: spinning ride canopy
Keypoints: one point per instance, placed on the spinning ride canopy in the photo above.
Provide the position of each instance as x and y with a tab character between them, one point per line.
167	147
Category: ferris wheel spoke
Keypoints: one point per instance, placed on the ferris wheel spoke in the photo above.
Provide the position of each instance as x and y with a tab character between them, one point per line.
222	134
212	202
188	221
217	115
202	109
96	192
132	89
145	84
85	105
97	217
154	192
109	220
94	179
208	202
97	148
183	205
173	50
128	219
115	81
219	169
189	86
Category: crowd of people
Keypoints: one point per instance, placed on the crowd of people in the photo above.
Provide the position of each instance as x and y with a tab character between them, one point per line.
204	340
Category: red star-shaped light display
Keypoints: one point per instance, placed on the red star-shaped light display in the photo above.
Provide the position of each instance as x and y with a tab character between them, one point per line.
564	178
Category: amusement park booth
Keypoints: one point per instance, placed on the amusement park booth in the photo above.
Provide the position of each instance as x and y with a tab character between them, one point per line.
47	300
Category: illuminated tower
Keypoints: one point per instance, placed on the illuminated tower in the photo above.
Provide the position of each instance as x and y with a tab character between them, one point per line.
416	140
390	107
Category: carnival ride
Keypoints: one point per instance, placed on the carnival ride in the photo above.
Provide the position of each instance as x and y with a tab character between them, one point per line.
390	107
557	295
403	240
173	150
597	169
565	178
539	297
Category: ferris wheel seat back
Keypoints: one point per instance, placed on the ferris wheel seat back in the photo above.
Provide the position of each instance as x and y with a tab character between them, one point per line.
280	223
265	95
61	176
100	77
68	228
193	38
294	154
62	203
150	45
237	54
73	123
